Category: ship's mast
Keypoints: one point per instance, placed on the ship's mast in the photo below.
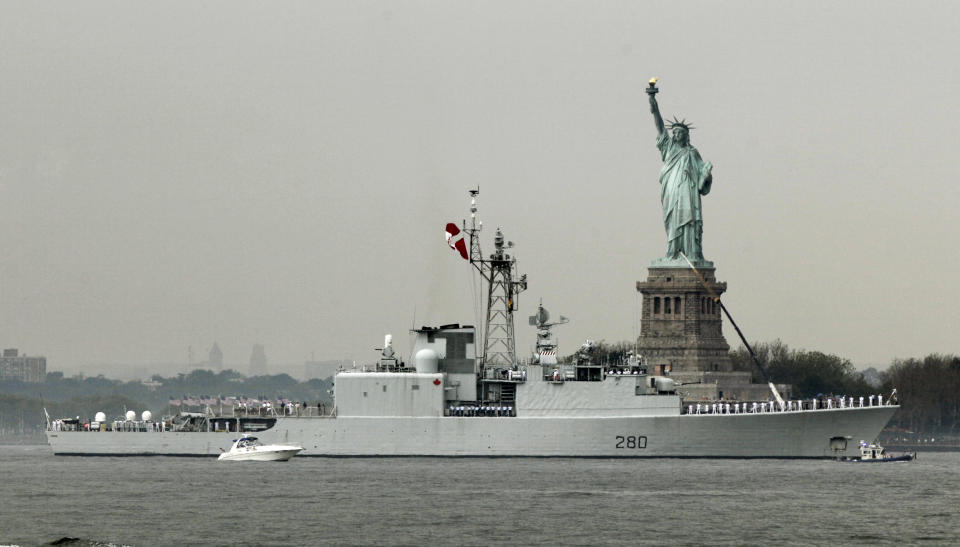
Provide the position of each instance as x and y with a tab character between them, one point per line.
503	287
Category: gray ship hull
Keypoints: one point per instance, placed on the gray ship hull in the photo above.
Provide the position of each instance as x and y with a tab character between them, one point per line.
806	434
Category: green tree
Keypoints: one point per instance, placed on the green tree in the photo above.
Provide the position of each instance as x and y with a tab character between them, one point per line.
929	393
811	373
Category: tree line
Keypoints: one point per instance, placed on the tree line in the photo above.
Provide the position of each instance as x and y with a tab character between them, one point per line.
811	373
929	393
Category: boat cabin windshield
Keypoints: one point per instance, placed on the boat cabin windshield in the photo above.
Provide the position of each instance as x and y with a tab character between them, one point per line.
247	441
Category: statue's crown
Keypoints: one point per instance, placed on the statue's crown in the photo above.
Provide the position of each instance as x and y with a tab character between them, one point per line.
680	123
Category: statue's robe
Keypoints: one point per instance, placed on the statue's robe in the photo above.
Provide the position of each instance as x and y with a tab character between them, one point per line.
683	179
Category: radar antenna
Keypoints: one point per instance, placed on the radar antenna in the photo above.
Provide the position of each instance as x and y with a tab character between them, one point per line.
546	351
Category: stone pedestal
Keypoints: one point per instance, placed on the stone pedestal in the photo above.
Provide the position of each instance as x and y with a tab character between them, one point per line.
681	336
680	326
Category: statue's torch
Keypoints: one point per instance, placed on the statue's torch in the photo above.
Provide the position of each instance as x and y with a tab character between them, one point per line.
652	90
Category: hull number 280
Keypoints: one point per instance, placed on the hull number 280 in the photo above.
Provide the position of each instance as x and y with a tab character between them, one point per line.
630	441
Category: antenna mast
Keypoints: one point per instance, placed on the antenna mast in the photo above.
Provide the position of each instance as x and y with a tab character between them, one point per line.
503	287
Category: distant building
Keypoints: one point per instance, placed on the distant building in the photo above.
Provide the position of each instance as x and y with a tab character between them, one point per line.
216	358
258	361
14	366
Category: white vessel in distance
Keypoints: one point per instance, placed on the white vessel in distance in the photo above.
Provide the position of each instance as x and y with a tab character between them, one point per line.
458	398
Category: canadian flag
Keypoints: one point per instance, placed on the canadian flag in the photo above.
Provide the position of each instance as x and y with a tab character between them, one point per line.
455	240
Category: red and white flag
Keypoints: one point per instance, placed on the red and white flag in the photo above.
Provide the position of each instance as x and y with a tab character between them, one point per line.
455	240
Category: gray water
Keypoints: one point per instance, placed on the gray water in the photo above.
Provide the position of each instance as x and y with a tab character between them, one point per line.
475	501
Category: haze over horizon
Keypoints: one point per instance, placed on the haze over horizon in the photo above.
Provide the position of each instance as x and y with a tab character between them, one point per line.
249	173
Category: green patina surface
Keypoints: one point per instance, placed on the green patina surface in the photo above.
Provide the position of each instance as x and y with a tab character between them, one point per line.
683	179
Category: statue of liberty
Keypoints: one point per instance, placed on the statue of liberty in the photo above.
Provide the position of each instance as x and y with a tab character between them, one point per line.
683	179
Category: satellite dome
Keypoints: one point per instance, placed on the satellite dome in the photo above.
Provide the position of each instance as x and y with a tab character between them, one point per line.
131	415
426	360
100	417
146	416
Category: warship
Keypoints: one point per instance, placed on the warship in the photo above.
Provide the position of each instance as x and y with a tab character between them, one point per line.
460	394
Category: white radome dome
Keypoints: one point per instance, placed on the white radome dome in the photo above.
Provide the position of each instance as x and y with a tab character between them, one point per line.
131	415
146	416
100	417
426	360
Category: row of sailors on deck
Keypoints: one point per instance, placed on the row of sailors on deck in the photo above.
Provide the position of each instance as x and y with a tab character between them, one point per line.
156	427
844	402
480	410
785	406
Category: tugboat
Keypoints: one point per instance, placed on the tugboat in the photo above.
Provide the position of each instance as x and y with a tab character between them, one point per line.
874	453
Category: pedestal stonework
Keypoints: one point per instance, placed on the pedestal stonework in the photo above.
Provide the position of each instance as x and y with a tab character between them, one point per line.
680	326
681	336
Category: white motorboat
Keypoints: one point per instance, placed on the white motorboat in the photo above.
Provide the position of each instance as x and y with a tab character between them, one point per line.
247	448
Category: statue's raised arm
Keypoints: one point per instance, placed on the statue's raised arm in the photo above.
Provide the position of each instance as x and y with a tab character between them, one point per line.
654	108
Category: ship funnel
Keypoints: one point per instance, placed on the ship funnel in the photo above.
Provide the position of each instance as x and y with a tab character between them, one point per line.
100	417
146	416
426	360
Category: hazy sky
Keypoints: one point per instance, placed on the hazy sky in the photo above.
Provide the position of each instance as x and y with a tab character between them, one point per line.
281	172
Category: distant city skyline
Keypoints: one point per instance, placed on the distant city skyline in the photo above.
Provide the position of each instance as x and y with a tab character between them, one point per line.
249	174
